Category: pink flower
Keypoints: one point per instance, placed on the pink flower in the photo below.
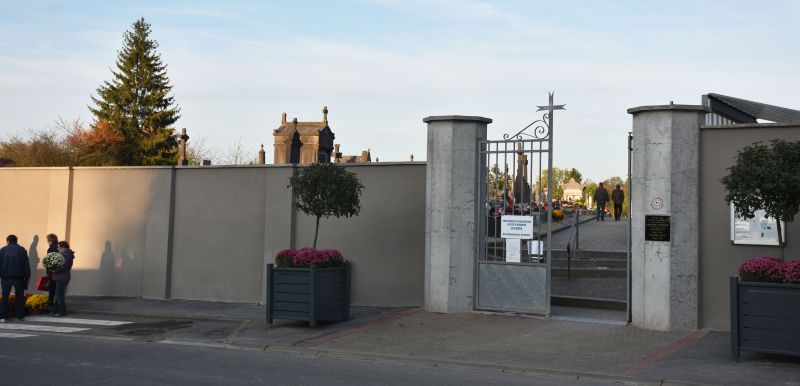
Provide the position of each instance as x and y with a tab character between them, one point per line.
791	272
306	257
762	269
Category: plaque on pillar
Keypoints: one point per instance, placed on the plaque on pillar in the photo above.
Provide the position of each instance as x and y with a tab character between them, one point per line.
656	228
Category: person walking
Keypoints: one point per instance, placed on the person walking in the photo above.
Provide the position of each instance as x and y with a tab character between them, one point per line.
62	276
618	197
601	198
52	246
15	271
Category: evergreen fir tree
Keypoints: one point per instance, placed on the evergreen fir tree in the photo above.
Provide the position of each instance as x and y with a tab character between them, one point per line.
137	104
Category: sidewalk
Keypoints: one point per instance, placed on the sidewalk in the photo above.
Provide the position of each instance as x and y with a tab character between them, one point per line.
488	341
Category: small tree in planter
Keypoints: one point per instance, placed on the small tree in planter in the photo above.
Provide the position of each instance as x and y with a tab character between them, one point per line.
766	177
765	297
324	190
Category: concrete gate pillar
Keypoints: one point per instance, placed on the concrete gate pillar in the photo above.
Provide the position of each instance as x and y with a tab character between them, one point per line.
665	219
450	206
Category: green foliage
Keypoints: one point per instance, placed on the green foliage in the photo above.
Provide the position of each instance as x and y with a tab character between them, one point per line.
497	178
766	177
325	190
560	177
137	104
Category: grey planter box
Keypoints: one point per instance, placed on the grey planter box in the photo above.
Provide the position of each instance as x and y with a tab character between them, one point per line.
765	317
311	294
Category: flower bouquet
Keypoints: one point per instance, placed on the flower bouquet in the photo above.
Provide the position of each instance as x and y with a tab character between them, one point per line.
53	261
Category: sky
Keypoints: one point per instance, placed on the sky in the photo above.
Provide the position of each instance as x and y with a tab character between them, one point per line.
381	66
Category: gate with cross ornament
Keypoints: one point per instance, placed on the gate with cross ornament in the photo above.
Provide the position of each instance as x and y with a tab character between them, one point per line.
515	224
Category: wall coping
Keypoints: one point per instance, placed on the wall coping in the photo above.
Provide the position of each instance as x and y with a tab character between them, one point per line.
671	106
467	118
752	126
198	167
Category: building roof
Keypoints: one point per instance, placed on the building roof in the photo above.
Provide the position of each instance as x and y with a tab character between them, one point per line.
573	185
304	128
744	111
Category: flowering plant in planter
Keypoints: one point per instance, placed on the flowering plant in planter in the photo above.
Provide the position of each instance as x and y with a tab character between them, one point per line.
762	269
791	272
306	257
308	284
770	270
765	307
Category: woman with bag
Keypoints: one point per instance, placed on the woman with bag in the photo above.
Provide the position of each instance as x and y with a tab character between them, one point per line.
61	278
52	246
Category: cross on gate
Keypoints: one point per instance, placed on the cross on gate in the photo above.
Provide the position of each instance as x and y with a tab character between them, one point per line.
551	106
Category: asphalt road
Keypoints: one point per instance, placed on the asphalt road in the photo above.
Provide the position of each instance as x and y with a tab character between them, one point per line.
53	358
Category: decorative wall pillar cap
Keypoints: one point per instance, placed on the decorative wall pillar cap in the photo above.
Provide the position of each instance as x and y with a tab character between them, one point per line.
641	109
463	118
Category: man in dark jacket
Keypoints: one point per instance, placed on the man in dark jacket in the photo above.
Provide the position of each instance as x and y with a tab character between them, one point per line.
601	198
14	272
618	197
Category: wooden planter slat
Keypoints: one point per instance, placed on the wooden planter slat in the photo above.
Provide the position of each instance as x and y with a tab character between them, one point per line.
765	317
310	294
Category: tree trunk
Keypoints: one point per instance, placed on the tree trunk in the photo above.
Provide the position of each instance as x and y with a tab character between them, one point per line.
780	239
316	232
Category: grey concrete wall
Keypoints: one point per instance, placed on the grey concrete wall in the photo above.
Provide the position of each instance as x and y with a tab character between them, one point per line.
720	258
207	233
119	230
218	245
386	242
451	218
665	166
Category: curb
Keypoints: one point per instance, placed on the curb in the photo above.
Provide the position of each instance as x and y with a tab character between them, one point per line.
159	316
543	372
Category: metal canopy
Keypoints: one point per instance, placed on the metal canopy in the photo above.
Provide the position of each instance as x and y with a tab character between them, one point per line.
744	111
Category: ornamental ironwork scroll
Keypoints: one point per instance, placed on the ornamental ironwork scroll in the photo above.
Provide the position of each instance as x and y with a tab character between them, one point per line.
541	128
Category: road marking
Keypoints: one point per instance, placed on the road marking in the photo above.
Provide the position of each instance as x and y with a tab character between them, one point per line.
93	322
13	335
34	327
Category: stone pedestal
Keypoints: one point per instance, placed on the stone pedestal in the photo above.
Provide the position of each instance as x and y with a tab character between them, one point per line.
451	217
665	183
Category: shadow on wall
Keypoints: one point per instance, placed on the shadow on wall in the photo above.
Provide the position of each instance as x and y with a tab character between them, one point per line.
33	258
112	269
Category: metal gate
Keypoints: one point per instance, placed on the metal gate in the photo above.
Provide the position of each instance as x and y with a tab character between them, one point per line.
515	219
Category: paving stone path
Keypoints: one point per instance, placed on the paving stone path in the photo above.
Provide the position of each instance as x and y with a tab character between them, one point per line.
593	235
596	236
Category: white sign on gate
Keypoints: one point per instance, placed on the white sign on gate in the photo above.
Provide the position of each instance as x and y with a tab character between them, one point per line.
516	227
513	251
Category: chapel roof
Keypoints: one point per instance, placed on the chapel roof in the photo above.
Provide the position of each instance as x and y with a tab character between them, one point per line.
304	128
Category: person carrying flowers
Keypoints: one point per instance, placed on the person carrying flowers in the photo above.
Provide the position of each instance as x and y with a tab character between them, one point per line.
52	246
61	277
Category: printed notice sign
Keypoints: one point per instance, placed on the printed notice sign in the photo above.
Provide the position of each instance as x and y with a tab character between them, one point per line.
516	227
656	228
759	230
513	251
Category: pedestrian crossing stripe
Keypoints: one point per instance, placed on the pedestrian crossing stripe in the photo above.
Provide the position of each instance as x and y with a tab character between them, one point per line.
23	326
14	335
92	322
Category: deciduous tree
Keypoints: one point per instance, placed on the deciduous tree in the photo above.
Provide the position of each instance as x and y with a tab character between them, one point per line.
324	190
